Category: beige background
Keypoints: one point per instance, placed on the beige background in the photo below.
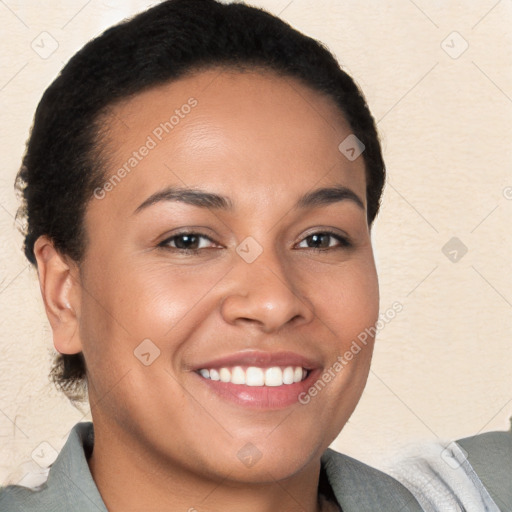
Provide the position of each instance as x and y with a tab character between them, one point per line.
442	368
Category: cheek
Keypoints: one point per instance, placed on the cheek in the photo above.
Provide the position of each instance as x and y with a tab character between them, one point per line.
121	308
347	306
140	298
158	301
346	299
346	313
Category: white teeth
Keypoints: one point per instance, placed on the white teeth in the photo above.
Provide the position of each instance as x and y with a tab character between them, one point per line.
287	375
274	376
254	376
225	375
237	375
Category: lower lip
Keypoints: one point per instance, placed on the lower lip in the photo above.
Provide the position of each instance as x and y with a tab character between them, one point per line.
262	397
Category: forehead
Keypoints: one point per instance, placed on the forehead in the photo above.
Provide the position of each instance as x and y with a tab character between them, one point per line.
223	129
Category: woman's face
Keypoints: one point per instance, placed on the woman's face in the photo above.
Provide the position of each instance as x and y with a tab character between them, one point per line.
256	268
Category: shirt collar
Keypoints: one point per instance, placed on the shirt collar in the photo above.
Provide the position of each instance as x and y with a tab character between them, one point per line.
70	472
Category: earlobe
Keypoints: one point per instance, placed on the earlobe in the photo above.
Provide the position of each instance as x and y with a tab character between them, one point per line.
60	286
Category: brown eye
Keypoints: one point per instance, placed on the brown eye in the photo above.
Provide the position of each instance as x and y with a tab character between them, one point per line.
187	242
324	240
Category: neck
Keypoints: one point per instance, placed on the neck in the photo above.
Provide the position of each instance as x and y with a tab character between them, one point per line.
130	479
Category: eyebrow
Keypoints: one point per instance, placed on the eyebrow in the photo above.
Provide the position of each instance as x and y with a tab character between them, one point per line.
202	199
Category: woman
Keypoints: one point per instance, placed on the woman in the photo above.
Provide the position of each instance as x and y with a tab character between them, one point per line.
200	186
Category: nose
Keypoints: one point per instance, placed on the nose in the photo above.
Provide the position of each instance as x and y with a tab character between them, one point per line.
266	293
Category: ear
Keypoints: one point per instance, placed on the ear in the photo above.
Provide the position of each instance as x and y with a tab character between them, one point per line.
60	287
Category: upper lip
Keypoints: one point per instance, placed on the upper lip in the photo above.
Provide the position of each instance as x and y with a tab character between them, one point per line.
260	359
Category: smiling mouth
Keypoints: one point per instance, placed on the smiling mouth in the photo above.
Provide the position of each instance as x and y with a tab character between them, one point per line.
255	376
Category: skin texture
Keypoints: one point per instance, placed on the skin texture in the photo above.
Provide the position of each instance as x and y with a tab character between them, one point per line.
263	141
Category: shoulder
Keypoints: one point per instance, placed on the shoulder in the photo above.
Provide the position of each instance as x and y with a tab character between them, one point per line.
359	487
69	485
490	456
470	474
14	498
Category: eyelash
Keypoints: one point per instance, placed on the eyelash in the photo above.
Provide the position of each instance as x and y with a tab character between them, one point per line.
344	242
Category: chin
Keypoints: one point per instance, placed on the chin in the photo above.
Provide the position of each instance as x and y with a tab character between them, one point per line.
261	463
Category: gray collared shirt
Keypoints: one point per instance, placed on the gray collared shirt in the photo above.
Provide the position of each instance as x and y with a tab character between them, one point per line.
70	486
